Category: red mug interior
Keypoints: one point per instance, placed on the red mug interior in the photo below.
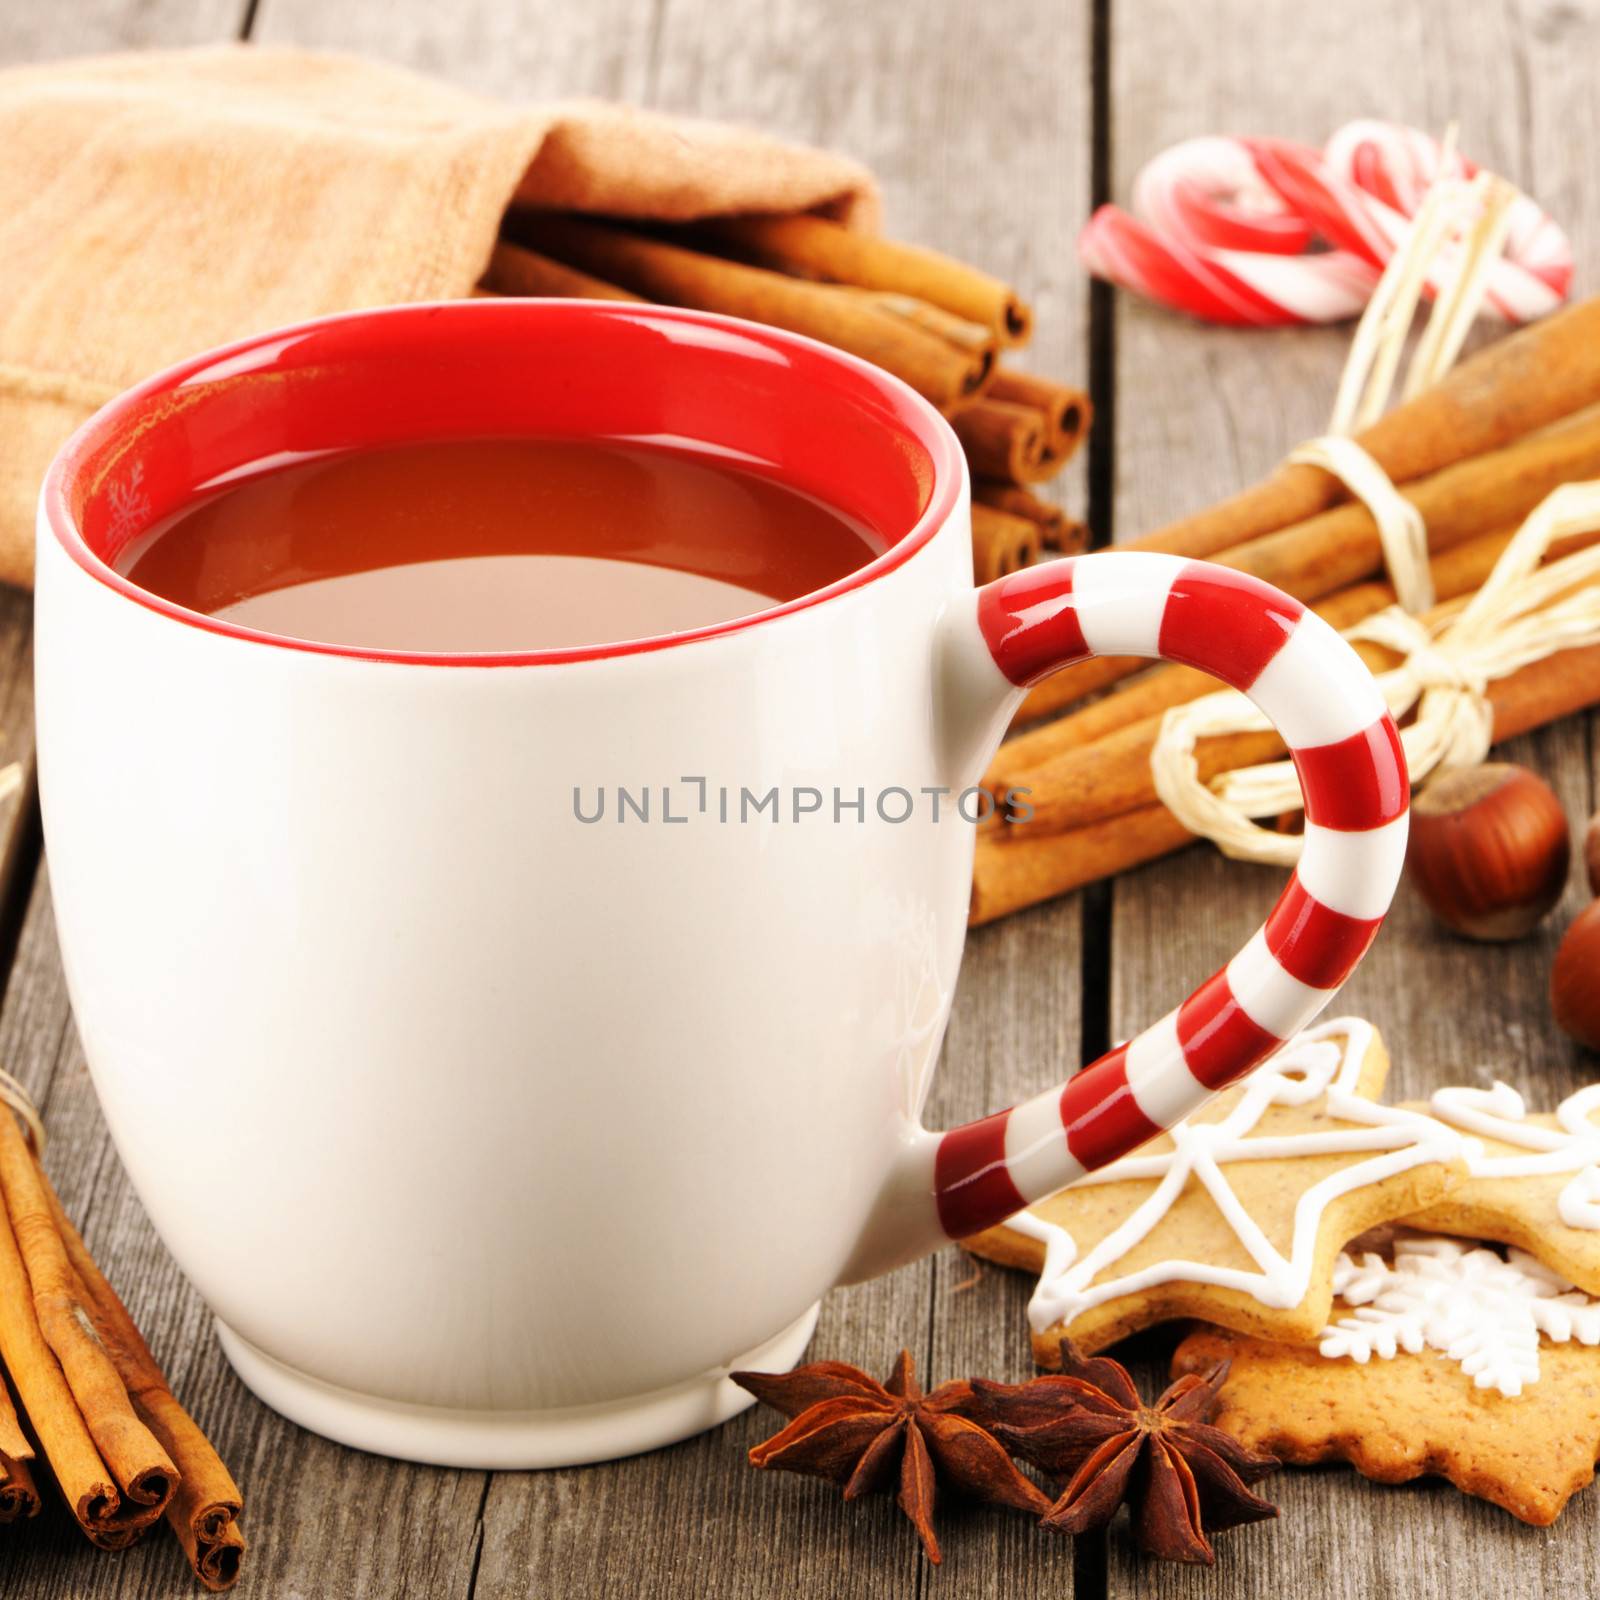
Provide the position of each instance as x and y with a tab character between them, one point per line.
819	421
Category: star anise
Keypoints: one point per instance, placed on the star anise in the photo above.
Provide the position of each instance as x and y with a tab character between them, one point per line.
848	1427
1179	1476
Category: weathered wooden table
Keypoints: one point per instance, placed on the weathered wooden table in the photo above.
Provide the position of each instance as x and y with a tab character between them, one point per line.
994	128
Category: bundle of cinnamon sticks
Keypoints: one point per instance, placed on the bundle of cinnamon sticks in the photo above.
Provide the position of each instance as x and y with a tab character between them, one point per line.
942	326
98	1410
1474	454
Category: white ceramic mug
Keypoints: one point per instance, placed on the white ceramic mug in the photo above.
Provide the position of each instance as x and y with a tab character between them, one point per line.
494	1136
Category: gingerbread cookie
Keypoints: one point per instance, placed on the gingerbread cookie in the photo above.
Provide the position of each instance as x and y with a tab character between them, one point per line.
1444	1360
1237	1215
1533	1181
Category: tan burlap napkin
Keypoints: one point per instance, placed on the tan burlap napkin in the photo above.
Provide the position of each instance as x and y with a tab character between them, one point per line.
153	205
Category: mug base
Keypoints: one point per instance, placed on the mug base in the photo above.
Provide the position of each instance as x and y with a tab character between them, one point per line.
571	1436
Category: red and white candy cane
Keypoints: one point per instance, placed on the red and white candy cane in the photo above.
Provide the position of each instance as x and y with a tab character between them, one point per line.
1327	708
1265	231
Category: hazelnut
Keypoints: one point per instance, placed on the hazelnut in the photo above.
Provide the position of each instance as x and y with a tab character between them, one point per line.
1575	978
1489	849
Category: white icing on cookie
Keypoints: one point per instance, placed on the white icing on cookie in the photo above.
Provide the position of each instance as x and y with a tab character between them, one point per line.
1478	1309
1308	1066
1497	1113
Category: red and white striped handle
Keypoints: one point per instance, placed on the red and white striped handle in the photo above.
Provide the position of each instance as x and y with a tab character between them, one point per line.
1325	704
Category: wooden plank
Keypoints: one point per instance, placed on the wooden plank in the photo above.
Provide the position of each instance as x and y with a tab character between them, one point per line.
958	178
89	27
560	51
1450	1012
962	177
1016	1029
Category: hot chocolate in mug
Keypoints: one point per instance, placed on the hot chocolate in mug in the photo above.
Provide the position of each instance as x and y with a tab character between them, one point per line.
494	1136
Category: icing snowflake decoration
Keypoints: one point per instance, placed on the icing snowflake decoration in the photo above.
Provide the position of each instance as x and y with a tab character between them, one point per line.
1310	1065
1574	1147
1481	1310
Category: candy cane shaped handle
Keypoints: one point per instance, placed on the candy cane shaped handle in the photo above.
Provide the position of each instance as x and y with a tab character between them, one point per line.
1323	701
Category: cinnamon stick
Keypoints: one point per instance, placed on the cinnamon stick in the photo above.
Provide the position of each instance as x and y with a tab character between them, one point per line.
1455	572
84	1481
1001	543
970	338
205	1509
1011	876
19	1497
1112	775
216	1564
1059	534
1524	381
643	265
515	271
19	1494
1004	440
811	247
1020	868
142	1469
52	1408
935	320
1339	547
1066	410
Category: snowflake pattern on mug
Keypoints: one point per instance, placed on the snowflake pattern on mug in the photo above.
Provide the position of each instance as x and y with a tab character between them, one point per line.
130	507
1484	1311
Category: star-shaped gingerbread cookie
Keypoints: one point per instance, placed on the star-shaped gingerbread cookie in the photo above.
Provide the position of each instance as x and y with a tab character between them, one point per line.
1449	1361
1237	1216
1532	1181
